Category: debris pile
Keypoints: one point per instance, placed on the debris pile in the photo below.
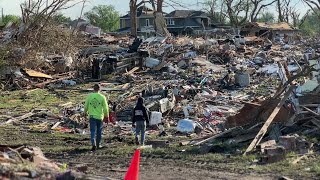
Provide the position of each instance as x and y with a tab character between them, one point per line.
260	91
21	162
233	88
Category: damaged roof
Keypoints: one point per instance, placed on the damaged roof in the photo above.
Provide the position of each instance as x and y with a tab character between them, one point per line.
141	11
186	13
273	26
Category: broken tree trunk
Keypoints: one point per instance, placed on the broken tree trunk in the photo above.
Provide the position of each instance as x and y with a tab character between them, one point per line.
264	128
160	24
133	15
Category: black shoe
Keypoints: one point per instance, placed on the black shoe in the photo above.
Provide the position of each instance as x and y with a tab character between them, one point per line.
93	148
137	141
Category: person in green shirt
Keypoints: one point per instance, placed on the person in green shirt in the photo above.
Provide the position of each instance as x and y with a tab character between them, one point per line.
96	107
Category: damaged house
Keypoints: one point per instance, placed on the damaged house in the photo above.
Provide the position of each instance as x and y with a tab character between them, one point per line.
187	22
85	26
270	30
145	21
178	21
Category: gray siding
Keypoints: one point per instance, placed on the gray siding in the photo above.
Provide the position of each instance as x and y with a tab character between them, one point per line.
180	22
142	22
192	22
125	23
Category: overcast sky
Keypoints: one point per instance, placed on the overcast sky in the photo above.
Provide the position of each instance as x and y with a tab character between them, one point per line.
13	6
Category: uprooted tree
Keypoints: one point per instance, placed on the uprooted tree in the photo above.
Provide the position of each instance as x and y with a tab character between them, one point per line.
39	34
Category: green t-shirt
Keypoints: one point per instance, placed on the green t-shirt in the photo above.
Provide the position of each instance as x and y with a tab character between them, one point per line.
96	106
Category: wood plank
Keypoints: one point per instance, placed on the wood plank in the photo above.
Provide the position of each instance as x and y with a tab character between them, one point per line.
56	125
41	85
316	122
25	116
131	71
312	112
213	137
264	128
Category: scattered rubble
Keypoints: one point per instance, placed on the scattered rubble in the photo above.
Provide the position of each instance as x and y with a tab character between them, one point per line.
206	88
21	162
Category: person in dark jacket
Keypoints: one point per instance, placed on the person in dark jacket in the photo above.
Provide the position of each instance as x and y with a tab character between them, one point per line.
140	120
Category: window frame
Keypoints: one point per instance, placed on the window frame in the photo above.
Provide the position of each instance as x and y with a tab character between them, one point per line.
170	22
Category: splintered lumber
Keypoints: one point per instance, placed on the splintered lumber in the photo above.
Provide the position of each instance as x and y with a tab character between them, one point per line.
264	128
305	156
41	85
214	137
56	125
316	122
125	86
25	116
312	112
131	71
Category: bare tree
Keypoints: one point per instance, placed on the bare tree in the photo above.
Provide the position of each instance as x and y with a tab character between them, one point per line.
235	8
295	16
258	6
280	17
133	17
303	19
134	5
285	9
215	10
36	15
314	5
42	8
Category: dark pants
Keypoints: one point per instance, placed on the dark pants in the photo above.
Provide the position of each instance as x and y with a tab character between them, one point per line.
96	126
141	130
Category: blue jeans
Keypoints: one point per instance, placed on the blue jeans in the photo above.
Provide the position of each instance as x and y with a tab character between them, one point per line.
96	126
141	128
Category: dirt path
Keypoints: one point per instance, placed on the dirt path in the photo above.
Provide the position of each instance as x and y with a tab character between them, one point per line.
158	163
153	170
101	165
